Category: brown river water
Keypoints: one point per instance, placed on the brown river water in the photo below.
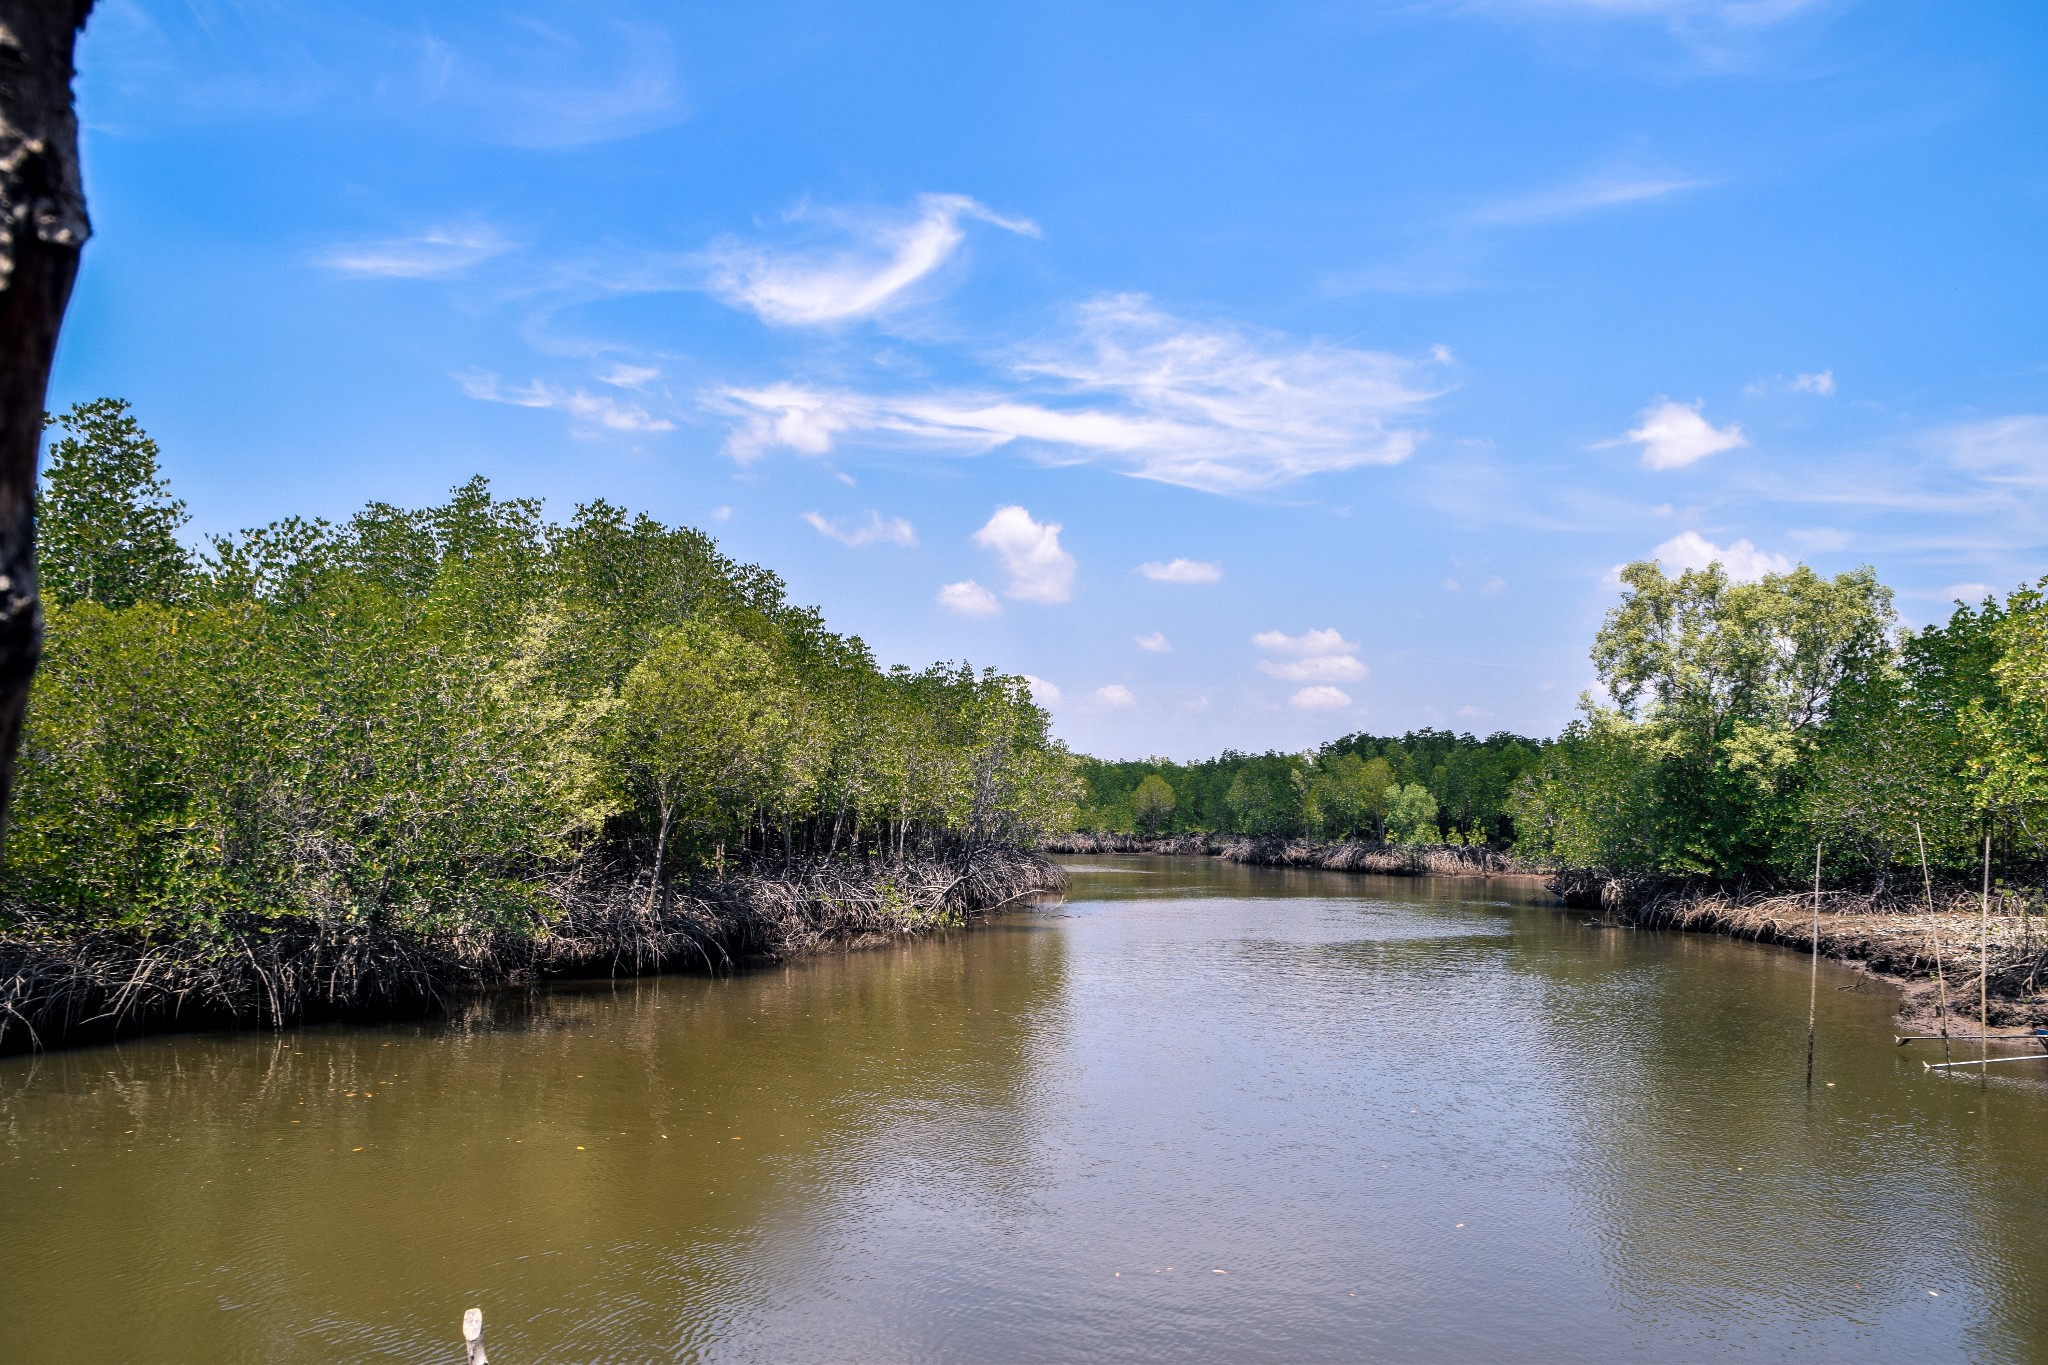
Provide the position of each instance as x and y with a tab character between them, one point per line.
1198	1112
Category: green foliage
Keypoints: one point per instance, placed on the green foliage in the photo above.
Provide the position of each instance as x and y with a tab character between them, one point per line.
428	717
1411	814
1336	792
1751	720
1152	802
108	528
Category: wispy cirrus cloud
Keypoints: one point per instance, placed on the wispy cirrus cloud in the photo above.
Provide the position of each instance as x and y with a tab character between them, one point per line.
590	409
1582	197
886	258
434	253
2008	450
1217	408
877	530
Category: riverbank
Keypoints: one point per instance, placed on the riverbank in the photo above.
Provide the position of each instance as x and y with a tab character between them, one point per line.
1393	860
1893	938
60	986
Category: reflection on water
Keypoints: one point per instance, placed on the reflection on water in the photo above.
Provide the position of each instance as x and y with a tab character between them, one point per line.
1406	1121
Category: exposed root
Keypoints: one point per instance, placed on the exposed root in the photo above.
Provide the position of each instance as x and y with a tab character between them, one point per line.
60	985
1892	936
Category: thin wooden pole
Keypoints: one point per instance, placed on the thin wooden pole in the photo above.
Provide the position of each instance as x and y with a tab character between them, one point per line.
1934	928
1984	953
473	1337
1813	974
1988	1061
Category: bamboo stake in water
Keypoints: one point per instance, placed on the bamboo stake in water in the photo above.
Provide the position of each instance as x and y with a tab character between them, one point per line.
1984	952
1813	976
1934	928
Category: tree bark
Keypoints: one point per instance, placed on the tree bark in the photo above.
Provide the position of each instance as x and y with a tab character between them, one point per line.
42	228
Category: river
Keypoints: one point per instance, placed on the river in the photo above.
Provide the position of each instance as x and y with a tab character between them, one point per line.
1197	1112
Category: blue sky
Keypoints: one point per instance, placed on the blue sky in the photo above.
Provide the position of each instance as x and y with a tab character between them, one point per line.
1247	375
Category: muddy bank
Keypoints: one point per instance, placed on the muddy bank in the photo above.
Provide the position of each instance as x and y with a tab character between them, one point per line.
1892	937
1396	860
61	987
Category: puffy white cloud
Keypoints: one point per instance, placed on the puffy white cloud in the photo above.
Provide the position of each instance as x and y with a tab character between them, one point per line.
1039	570
1155	643
1320	668
1493	586
969	598
877	531
1308	643
434	253
1181	571
1220	409
1323	698
1116	694
1042	692
588	408
1674	435
1315	656
1742	561
887	257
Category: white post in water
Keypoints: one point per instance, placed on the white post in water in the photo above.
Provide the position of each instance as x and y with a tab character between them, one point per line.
473	1337
1984	976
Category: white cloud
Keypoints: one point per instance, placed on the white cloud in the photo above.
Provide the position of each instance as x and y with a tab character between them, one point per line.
1040	571
1116	694
1743	561
2006	449
434	253
1181	571
1493	585
1307	644
1972	593
888	257
1220	409
1821	538
1320	699
1674	435
589	408
969	598
1452	585
721	514
1317	656
1042	692
1586	196
1321	668
893	531
1821	385
629	376
1155	643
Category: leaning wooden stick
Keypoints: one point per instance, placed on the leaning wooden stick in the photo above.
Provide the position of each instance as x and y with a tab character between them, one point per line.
473	1337
1984	953
1934	929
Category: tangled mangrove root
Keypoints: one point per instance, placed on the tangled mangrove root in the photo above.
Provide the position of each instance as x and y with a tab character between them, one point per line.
1394	860
1893	935
59	985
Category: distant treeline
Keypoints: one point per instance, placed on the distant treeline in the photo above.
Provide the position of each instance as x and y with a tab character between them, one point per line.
1427	786
424	719
1744	724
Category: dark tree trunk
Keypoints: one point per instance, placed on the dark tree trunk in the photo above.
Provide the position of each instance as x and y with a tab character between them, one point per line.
42	227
